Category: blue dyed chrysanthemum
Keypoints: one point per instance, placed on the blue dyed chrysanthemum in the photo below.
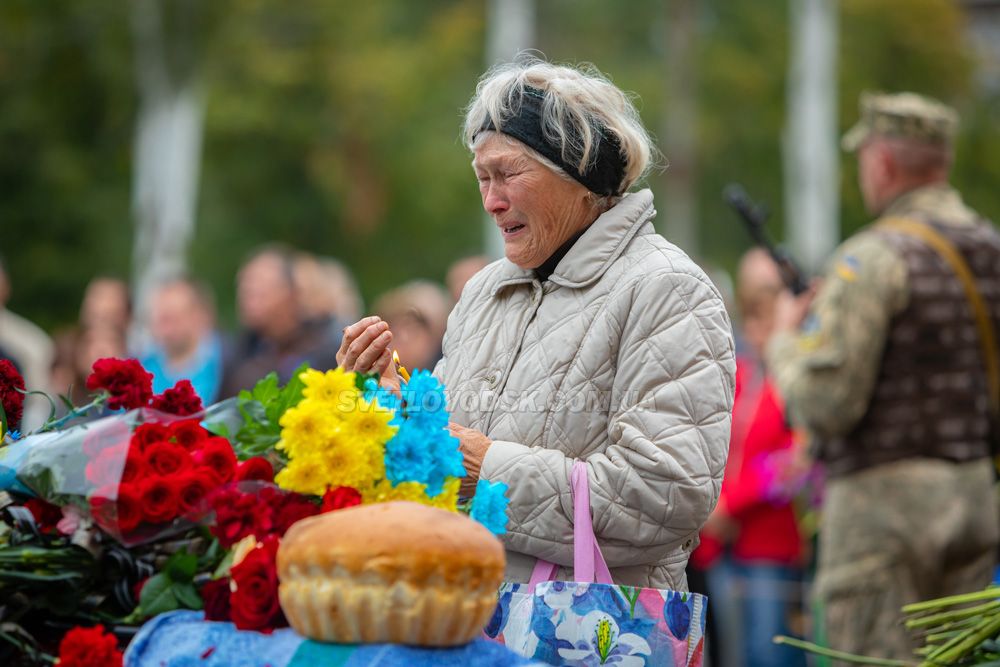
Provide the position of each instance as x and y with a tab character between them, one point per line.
425	401
407	456
489	506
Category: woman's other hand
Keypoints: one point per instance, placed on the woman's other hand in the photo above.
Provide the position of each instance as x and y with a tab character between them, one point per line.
365	348
473	445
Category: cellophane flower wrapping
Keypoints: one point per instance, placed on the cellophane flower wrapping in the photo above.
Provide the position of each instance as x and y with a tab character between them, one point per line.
139	475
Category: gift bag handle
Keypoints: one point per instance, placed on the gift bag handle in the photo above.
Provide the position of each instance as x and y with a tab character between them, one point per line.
588	561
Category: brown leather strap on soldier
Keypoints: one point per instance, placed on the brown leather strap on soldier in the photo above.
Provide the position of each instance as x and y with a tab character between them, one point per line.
950	254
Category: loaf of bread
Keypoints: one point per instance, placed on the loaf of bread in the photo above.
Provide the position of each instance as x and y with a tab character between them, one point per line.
397	572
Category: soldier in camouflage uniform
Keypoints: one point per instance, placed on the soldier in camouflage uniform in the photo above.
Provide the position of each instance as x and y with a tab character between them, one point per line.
885	368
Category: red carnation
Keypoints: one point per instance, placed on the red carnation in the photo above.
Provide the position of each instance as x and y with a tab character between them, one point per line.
89	647
256	468
189	434
159	500
217	455
192	489
180	400
147	434
339	498
135	466
117	510
11	396
236	516
167	458
254	603
46	514
294	508
216	594
127	382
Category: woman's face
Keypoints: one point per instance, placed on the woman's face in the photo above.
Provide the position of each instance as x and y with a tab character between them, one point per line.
536	209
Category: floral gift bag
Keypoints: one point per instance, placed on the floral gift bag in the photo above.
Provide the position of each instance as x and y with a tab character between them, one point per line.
592	621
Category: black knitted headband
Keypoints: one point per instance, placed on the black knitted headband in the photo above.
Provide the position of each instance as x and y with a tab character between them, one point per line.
603	176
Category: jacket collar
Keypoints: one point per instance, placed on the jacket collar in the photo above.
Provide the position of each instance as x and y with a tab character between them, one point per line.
939	200
602	243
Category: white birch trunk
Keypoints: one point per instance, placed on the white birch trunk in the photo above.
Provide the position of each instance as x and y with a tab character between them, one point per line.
812	195
166	159
510	28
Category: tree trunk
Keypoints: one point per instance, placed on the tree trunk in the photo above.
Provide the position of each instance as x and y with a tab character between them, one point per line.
680	127
167	152
812	195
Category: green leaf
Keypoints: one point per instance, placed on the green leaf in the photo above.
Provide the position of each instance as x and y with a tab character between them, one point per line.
223	569
220	429
188	596
158	596
254	410
181	567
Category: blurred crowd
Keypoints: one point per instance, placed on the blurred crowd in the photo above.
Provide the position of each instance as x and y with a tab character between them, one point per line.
291	308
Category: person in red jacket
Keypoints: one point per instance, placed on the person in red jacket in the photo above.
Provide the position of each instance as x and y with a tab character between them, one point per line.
751	548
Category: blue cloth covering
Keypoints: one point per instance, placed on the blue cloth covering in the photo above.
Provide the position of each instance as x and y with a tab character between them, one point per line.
184	639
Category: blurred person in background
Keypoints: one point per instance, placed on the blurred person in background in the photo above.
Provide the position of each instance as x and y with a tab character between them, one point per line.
323	287
751	548
76	350
889	369
185	345
417	313
461	271
106	303
275	336
30	349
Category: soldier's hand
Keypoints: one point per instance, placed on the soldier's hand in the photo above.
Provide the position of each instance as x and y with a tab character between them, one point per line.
791	310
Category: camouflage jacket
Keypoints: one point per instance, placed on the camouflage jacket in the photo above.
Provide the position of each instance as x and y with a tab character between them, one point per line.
827	371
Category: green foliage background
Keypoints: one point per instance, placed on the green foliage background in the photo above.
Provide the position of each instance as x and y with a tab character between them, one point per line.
334	125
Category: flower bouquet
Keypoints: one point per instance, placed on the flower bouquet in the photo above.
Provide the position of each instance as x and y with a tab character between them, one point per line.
164	505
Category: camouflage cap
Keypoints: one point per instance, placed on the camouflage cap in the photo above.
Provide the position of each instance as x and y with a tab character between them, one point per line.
903	115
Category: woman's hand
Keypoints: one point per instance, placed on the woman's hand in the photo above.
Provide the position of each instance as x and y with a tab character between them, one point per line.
473	445
365	349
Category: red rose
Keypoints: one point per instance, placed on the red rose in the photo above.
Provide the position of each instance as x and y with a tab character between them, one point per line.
254	603
180	400
256	468
217	455
167	458
339	498
107	467
127	382
117	510
147	434
159	500
135	466
11	386
192	489
46	514
294	508
236	515
216	594
89	647
189	434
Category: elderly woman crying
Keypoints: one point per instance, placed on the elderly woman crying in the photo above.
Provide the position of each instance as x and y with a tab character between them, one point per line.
594	339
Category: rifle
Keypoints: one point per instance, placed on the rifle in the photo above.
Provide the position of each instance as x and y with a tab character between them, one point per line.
754	216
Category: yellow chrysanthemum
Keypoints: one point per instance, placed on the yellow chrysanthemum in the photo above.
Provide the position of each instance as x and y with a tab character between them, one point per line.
374	453
303	474
384	492
369	423
334	387
306	426
346	466
448	498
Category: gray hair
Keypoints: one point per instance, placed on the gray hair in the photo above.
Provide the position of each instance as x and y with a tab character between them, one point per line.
579	103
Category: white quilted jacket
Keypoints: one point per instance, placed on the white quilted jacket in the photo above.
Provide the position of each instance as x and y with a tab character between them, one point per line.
623	358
